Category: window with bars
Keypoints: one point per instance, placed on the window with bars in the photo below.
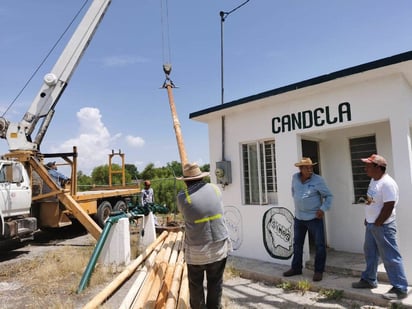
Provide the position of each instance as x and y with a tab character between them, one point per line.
259	173
361	147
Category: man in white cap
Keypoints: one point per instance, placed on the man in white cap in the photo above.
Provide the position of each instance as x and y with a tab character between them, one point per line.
380	232
312	199
207	241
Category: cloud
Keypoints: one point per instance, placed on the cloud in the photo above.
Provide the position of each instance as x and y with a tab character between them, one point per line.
93	142
134	141
120	61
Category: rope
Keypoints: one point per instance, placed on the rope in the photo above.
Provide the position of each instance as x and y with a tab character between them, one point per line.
45	58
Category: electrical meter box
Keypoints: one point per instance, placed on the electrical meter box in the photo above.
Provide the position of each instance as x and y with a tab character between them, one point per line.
223	172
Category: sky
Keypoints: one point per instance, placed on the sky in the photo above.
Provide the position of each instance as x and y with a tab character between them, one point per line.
115	100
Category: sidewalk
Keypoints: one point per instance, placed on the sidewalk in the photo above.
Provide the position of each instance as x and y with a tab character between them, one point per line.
342	269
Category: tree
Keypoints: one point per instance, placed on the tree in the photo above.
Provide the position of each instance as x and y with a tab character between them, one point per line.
132	170
148	172
176	168
205	167
84	182
100	175
163	179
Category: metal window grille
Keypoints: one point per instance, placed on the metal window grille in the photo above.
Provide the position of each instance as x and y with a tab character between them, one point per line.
259	172
361	147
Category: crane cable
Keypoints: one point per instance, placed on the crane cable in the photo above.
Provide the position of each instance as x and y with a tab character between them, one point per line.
166	49
45	58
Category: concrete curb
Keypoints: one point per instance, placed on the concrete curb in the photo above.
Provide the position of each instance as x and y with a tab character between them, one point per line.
273	274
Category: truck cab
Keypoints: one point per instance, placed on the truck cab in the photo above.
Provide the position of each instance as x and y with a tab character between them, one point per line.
15	200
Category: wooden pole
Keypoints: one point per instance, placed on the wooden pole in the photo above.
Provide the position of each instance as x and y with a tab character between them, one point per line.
142	299
173	295
140	279
183	302
105	293
167	282
162	266
176	124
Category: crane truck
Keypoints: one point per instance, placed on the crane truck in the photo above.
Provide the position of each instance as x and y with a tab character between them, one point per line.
29	197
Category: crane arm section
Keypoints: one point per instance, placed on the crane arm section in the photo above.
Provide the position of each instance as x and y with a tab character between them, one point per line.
18	135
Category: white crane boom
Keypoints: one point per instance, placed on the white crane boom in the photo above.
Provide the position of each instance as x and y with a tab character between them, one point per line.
18	135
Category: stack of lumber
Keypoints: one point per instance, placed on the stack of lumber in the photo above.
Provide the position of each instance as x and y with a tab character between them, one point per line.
160	277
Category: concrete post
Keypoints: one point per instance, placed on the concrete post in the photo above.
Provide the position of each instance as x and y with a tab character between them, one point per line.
116	249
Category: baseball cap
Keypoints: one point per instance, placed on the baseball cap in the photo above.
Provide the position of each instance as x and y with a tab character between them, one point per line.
376	159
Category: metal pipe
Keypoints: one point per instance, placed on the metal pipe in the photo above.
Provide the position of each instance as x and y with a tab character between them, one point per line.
114	218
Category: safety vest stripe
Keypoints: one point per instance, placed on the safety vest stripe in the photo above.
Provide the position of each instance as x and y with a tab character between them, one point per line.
216	189
218	216
188	199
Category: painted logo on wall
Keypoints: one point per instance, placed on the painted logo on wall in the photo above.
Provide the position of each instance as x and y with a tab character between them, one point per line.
277	227
234	224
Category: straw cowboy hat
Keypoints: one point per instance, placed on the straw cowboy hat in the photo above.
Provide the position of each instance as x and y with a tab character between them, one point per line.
305	161
191	171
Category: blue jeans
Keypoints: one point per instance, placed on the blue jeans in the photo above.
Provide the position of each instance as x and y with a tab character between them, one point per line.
316	229
380	241
214	276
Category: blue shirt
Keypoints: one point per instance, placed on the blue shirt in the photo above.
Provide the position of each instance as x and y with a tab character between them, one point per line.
57	177
310	196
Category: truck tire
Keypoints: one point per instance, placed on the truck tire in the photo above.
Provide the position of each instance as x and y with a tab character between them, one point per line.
120	206
103	212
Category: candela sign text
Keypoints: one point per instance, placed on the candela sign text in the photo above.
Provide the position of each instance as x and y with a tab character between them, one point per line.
317	117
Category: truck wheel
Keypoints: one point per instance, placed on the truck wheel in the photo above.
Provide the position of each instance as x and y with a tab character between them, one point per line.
103	212
120	206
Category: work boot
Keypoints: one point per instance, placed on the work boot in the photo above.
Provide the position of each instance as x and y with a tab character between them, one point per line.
394	294
292	272
363	284
317	276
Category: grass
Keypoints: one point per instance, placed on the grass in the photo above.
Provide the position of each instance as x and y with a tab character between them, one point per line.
51	280
331	294
230	272
302	286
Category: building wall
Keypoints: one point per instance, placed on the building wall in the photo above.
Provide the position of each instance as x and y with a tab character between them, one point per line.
380	104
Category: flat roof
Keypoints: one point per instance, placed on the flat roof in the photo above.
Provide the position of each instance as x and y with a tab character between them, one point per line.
309	82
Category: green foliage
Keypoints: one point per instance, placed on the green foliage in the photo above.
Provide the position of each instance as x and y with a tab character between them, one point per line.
84	182
303	286
205	168
176	168
148	172
100	175
165	191
331	294
286	286
131	169
163	179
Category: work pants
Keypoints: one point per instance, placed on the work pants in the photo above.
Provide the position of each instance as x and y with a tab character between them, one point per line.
381	241
316	229
214	277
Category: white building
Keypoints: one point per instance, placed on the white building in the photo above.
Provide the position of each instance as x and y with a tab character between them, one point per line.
335	119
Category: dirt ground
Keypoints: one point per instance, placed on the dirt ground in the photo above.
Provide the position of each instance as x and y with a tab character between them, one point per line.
28	280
